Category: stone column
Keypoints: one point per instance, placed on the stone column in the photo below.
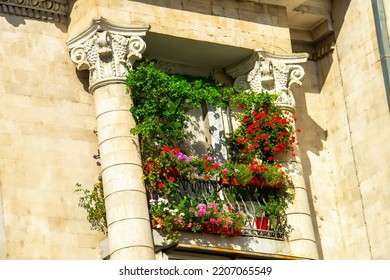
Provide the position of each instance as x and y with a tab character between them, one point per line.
276	73
108	51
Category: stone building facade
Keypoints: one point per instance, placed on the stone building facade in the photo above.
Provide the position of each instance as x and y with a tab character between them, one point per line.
62	77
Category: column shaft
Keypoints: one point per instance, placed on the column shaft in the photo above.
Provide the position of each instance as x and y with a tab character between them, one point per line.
302	239
129	231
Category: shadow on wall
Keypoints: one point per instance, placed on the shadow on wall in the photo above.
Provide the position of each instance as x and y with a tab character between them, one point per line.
314	136
240	10
17	20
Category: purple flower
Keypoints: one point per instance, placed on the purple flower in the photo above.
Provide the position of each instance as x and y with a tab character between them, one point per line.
188	159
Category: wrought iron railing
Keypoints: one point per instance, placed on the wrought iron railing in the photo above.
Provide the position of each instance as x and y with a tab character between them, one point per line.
243	199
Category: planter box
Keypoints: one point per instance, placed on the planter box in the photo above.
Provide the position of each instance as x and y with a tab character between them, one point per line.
262	223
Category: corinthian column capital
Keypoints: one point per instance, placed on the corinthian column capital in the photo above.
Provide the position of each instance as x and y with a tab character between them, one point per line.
272	72
108	50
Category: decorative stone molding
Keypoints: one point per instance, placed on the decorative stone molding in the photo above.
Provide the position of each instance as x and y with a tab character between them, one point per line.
273	72
108	50
51	10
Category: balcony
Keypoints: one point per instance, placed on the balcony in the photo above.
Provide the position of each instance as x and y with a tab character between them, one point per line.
260	235
189	204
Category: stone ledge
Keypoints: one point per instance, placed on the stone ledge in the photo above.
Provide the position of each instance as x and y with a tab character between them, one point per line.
239	245
48	10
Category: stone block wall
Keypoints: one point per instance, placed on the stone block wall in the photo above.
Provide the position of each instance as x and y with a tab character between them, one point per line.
369	126
345	122
241	24
47	143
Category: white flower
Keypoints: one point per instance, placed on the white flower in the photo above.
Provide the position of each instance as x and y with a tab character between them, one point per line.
163	200
166	209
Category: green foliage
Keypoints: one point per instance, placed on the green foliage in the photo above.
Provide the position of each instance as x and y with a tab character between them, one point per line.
239	171
93	202
249	99
161	102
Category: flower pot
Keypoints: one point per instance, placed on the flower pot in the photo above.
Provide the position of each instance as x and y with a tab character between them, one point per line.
278	185
212	228
231	181
158	221
257	181
225	181
262	223
231	231
234	182
181	227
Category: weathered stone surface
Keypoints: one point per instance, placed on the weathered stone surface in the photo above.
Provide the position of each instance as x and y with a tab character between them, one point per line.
47	119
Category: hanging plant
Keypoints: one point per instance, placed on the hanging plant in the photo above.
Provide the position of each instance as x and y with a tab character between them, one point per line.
93	202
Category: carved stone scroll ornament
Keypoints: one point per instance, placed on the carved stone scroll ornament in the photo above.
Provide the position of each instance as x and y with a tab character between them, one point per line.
271	72
107	54
50	10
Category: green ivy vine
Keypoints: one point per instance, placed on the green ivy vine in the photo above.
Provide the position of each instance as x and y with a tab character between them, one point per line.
161	101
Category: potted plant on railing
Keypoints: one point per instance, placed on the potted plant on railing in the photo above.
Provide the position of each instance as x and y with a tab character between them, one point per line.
262	217
272	211
268	175
236	174
217	220
172	217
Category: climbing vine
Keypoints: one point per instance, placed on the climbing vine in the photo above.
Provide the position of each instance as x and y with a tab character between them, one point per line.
161	102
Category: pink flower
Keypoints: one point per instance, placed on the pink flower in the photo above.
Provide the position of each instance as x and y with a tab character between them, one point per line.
212	205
